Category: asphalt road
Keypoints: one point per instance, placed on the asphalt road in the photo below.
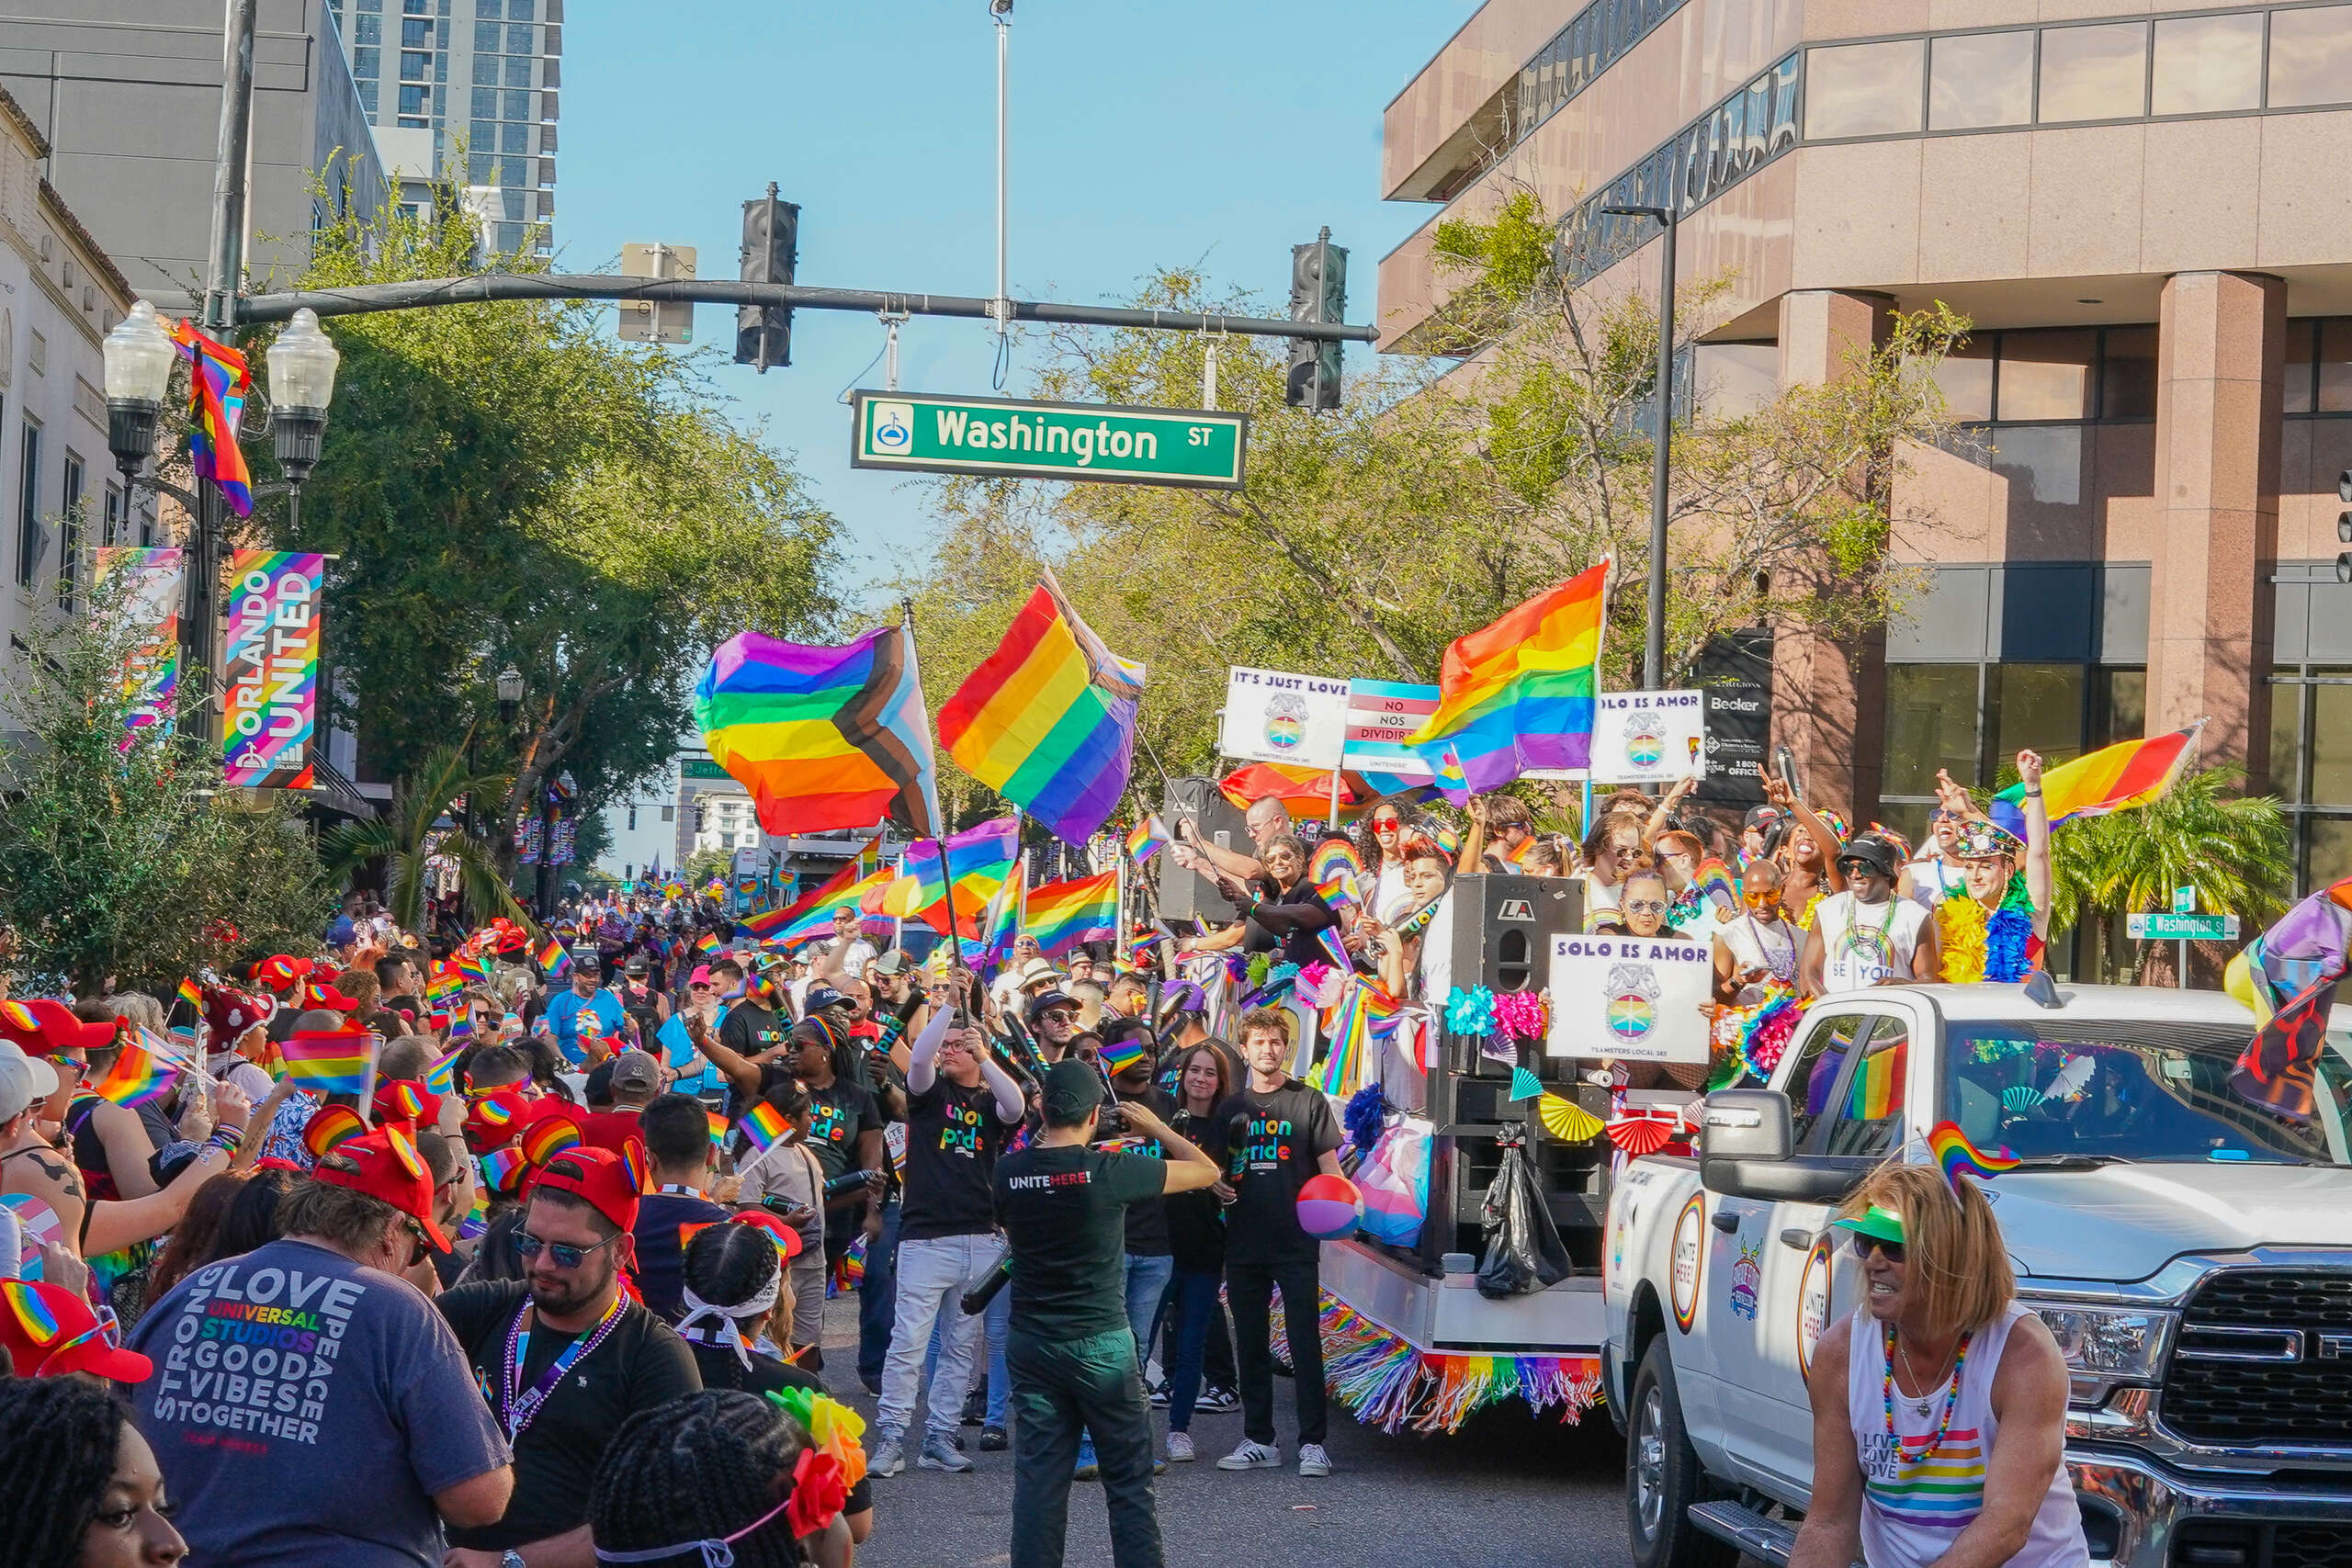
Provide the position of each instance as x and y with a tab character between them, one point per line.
1510	1489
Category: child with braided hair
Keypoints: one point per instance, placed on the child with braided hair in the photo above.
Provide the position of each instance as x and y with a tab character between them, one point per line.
716	1476
86	1483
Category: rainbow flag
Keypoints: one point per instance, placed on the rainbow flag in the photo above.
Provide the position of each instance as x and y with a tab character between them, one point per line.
1048	720
981	857
502	1170
1518	693
193	996
554	959
1144	840
771	925
1060	915
1338	874
717	1129
136	1077
474	968
1960	1157
331	1061
441	1078
707	944
218	380
1128	1053
1877	1093
1003	922
1713	882
763	1125
444	986
822	736
1346	1031
2128	774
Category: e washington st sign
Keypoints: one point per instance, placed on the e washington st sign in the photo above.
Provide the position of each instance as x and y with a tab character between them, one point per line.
1009	437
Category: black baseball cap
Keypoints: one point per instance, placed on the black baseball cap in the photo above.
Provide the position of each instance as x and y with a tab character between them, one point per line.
1045	1000
1073	1087
1872	851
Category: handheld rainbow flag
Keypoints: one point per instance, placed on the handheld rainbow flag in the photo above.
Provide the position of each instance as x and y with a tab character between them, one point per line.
2113	778
554	959
1518	693
717	1129
441	1078
1960	1157
1143	949
1004	921
1144	840
1128	1053
1346	1029
707	944
1060	915
774	924
193	995
218	380
1048	720
1338	874
822	736
136	1078
1713	882
763	1125
981	857
331	1061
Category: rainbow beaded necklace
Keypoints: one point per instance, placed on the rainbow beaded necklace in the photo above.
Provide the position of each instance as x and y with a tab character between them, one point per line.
1903	1457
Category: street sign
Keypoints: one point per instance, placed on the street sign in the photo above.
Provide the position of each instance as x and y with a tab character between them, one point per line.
1010	437
2184	900
2181	927
648	320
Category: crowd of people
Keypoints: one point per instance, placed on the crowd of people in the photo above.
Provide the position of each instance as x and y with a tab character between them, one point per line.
551	1290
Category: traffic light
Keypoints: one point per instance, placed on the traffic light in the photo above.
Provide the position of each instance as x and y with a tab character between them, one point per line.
1319	292
770	236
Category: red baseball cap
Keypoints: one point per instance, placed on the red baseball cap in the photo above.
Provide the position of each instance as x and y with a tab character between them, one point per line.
324	995
278	971
50	1331
384	1166
44	1027
604	1180
787	1240
404	1100
496	1119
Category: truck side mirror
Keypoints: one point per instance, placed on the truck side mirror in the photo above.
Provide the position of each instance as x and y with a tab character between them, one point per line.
1746	1123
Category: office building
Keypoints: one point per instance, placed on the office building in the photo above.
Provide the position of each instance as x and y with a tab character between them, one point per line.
2142	210
126	93
480	74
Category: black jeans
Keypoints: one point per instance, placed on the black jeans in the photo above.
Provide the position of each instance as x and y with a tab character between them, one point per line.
1061	1389
1248	1289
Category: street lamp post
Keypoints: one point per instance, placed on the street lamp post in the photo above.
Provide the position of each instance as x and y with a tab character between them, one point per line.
301	384
1654	645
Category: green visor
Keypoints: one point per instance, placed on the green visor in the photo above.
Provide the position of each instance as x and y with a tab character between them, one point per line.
1879	1225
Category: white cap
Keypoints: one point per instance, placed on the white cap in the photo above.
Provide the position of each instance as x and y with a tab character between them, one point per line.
23	1080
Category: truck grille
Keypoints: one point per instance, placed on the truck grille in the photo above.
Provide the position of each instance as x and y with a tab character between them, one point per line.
2219	1391
2204	1543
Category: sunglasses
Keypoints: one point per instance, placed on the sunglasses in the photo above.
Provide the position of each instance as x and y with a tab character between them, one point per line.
1864	1245
697	985
1058	1015
1763	898
1386	824
1645	907
528	1247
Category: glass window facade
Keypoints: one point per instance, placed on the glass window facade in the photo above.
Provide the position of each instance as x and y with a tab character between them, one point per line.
2207	64
2317	367
1864	89
1979	80
2094	73
2311	56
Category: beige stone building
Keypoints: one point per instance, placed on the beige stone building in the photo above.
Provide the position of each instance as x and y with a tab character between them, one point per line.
2146	209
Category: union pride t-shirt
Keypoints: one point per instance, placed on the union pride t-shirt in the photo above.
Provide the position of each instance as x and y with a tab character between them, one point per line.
1270	1144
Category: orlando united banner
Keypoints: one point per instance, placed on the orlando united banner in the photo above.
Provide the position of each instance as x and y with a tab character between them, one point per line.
272	663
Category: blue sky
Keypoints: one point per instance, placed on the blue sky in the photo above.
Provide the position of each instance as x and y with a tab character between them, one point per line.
1217	132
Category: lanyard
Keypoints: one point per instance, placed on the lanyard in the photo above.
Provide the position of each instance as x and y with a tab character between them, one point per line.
521	1405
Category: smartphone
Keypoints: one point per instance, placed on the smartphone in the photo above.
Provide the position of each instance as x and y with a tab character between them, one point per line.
1784	763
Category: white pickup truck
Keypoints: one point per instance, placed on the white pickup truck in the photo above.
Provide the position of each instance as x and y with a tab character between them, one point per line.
2192	1254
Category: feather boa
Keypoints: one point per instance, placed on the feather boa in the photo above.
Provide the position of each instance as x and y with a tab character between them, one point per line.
1976	946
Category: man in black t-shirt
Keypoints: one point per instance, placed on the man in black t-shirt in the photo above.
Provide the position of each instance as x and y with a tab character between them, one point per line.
564	1357
960	1106
1275	1133
1072	1356
676	1131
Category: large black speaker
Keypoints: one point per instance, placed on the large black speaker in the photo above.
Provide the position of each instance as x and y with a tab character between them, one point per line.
1187	895
1498	932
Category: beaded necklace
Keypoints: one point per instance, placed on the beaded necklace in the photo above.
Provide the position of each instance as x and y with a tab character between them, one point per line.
1904	1459
521	1405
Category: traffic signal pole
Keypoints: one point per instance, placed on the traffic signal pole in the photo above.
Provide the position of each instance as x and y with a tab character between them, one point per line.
368	299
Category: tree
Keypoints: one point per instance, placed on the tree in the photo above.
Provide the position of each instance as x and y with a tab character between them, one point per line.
1366	539
507	483
696	872
122	859
2235	851
407	839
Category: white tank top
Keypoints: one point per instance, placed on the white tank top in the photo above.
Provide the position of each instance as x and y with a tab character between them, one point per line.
1864	944
1755	945
1917	1500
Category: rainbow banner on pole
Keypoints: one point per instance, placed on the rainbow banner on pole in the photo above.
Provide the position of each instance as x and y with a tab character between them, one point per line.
2113	778
981	857
1048	720
153	675
271	661
218	380
822	737
1518	693
1060	915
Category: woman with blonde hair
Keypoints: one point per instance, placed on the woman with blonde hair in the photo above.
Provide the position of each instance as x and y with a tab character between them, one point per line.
1939	1407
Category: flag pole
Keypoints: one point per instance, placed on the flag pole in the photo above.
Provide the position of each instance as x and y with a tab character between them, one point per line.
930	798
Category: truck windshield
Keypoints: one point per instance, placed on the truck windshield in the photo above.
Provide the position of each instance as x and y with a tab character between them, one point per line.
2138	1092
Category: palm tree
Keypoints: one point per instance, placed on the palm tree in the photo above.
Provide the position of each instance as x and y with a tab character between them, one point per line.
2235	850
406	837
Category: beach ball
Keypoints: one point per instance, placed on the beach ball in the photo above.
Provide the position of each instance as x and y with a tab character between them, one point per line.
1328	1206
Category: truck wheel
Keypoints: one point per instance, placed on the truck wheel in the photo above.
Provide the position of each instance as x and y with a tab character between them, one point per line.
1662	1474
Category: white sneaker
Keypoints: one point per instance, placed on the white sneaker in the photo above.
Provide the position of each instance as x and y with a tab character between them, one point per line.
1312	1459
888	1457
1254	1456
1180	1448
